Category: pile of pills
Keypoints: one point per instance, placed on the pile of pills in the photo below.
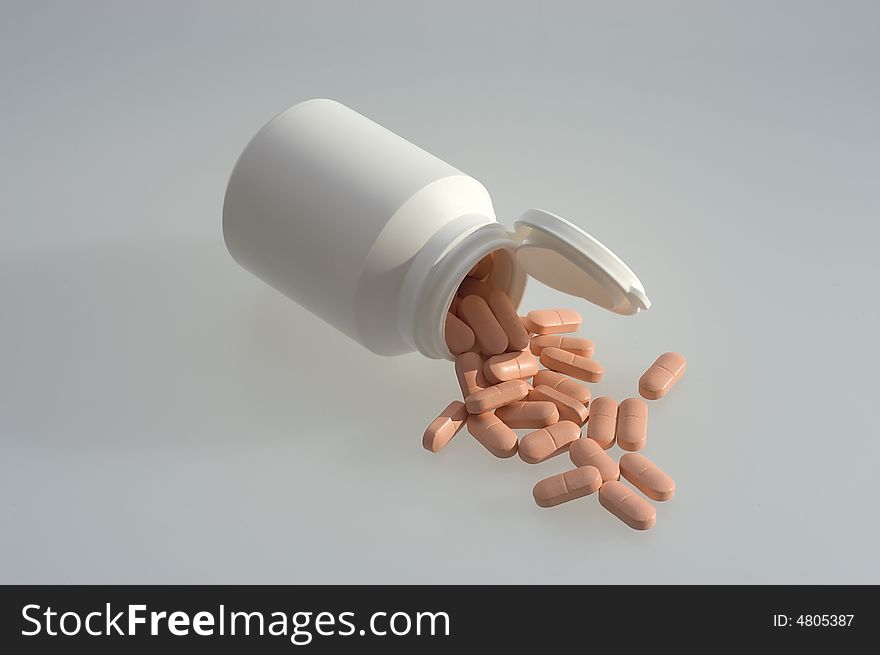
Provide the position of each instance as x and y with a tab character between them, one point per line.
498	363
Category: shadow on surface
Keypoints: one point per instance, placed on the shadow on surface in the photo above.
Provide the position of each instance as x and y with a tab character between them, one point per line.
168	343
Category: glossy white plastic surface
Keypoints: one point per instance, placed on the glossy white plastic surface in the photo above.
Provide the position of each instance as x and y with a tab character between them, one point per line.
563	256
373	234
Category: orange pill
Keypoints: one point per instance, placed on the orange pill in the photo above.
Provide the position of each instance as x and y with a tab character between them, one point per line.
473	287
603	421
510	366
586	452
445	426
527	324
495	437
505	314
582	368
632	424
569	408
554	321
627	505
528	415
567	486
548	442
459	337
647	477
476	313
469	371
482	268
496	396
662	376
563	384
576	345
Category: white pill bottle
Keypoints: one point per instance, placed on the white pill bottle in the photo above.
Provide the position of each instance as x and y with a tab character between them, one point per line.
373	234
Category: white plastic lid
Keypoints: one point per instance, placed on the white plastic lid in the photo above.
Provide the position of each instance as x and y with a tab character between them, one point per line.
563	256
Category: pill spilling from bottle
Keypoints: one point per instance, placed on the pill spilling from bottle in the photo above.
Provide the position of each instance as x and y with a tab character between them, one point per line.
373	234
527	373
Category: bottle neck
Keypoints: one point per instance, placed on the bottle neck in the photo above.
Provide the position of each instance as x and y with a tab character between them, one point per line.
438	271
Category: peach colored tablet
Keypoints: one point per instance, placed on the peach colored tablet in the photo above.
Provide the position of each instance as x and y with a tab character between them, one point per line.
602	421
563	384
527	324
505	314
627	505
575	345
569	408
582	368
662	376
495	437
473	287
554	321
459	337
510	366
445	426
469	371
474	311
496	396
632	424
646	476
567	486
482	268
528	415
586	452
548	442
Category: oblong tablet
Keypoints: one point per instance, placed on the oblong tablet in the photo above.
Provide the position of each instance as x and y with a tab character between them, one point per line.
540	445
554	321
647	477
582	368
528	415
627	505
563	384
662	375
602	421
445	426
482	268
474	311
473	287
569	408
632	424
505	314
497	396
469	371
567	486
510	366
576	345
459	337
586	452
495	437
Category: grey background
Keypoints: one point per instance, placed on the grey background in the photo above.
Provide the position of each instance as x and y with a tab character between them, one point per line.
166	417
